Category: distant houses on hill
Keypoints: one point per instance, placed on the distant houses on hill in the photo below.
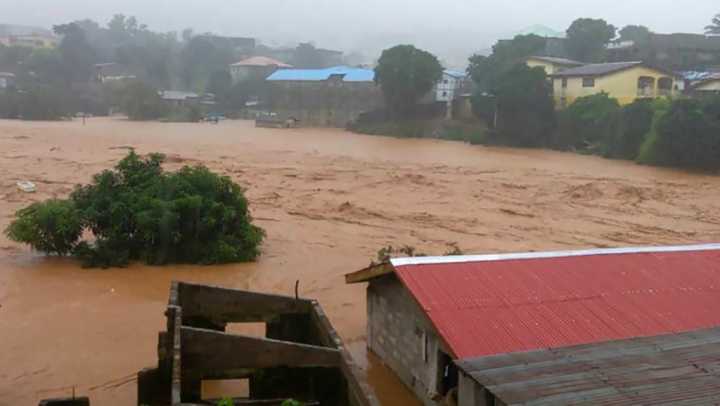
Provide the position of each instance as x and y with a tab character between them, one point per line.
255	68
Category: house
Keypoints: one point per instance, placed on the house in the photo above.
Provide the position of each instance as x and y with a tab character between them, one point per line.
34	40
625	81
7	80
110	72
330	97
449	85
552	65
425	312
709	84
659	370
255	68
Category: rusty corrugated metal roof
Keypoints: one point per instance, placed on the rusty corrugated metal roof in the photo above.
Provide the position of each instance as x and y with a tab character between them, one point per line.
485	305
679	369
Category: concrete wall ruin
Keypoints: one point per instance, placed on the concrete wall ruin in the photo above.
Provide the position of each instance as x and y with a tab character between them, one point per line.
301	357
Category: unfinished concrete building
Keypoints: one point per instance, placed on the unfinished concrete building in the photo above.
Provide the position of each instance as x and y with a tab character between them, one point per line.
301	356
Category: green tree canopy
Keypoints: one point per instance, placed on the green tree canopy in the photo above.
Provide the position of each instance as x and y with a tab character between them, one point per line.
688	135
714	27
526	115
639	34
77	55
140	212
485	70
587	37
406	74
200	58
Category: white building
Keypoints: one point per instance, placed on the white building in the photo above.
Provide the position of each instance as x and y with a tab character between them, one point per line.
448	87
6	79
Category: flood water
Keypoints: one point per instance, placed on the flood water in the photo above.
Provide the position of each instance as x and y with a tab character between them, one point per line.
328	200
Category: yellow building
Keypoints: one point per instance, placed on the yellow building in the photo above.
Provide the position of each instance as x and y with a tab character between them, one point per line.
550	64
30	41
624	81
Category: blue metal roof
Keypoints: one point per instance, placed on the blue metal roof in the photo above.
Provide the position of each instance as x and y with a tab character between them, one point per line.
316	75
455	73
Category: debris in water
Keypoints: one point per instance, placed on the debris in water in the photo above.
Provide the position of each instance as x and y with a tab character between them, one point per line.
27	186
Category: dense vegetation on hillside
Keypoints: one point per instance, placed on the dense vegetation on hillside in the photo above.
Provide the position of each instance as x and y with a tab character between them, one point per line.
138	212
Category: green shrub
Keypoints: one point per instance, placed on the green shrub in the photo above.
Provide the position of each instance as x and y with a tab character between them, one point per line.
588	124
647	149
139	212
53	226
484	106
686	136
636	119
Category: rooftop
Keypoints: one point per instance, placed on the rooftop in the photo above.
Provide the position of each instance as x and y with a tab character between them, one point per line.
557	61
177	95
598	69
316	75
495	304
668	369
455	73
261	61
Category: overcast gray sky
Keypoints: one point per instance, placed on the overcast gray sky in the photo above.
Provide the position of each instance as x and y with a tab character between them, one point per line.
444	27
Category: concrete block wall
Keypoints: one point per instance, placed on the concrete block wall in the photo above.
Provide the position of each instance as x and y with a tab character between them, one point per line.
397	330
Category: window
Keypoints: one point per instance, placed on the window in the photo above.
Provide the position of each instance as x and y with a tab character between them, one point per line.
588	82
444	94
564	83
445	81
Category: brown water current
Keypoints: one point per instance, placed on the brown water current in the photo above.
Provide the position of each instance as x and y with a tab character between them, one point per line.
328	200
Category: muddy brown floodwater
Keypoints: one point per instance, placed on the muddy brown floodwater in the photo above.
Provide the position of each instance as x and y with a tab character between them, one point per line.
328	200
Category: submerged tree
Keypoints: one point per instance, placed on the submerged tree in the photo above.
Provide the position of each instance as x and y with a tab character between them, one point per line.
406	74
138	212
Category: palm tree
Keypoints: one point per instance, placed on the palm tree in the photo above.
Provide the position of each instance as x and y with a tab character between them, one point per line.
714	28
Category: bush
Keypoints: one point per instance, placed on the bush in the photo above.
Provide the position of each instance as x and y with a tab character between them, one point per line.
647	149
686	136
588	124
53	226
139	212
637	119
483	107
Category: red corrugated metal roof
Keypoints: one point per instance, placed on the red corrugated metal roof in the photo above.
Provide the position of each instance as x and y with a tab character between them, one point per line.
507	305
